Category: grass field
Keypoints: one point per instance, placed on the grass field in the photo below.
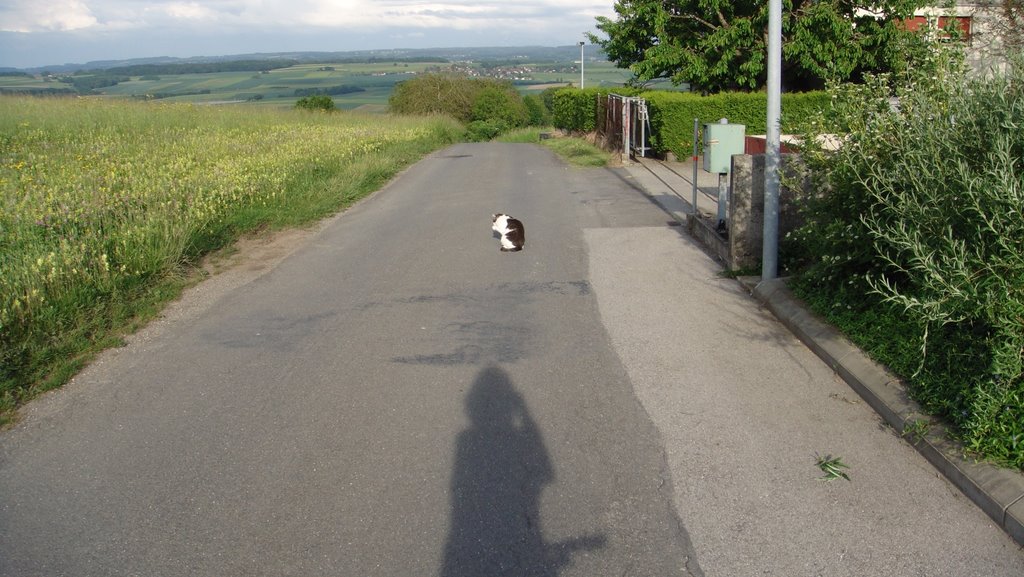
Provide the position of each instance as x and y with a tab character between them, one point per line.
107	206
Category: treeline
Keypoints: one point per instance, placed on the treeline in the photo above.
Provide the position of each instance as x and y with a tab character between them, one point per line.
375	60
87	84
197	67
39	91
328	91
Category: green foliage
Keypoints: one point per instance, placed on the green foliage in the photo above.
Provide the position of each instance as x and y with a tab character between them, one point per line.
832	467
202	67
672	114
720	45
578	110
488	106
328	90
578	151
919	220
86	84
575	110
500	104
436	93
484	130
537	112
317	102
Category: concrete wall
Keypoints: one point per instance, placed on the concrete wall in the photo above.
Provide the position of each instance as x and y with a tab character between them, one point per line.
746	208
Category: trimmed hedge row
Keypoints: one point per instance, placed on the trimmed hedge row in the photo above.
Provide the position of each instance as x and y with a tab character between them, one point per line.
672	113
577	110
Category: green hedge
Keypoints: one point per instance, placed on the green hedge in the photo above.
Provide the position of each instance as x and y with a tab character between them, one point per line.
577	110
672	113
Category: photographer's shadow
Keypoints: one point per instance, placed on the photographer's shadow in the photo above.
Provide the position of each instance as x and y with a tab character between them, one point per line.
501	467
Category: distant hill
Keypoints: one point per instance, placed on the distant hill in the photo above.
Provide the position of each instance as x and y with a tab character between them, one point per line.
483	54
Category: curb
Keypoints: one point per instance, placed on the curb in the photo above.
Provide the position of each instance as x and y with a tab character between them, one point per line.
997	491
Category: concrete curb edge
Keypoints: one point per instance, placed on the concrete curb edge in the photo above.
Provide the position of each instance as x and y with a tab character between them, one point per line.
997	491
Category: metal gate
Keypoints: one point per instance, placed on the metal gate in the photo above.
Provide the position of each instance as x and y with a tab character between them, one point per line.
627	125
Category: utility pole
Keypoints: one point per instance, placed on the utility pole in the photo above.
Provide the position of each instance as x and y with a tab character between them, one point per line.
770	251
581	44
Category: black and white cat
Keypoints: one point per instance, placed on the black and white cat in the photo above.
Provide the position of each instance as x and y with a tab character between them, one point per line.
513	235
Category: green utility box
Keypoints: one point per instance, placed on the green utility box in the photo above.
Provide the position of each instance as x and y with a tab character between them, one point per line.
721	141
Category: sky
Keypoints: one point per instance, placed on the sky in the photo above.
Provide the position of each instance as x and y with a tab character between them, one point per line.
36	33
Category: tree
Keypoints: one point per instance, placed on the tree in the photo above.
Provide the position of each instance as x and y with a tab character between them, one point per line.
318	102
717	45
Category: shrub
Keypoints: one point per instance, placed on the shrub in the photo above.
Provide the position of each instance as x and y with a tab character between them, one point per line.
484	130
317	102
537	112
483	103
919	218
500	105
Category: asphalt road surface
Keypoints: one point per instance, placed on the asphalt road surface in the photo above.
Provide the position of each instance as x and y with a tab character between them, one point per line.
397	397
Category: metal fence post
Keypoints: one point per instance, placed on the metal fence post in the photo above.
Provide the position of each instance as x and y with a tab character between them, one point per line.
696	135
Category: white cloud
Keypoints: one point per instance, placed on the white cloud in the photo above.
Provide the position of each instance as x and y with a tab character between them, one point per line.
55	15
27	16
188	11
40	32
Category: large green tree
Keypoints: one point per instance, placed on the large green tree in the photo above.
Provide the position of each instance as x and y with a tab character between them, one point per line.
716	45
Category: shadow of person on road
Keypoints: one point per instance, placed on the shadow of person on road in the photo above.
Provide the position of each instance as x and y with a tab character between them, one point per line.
501	467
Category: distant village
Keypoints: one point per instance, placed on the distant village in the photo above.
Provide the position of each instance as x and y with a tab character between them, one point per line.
514	73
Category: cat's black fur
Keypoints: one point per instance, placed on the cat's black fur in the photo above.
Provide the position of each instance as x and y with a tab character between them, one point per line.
513	234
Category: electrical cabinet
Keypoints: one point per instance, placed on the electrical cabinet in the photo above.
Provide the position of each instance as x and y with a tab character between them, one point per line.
721	141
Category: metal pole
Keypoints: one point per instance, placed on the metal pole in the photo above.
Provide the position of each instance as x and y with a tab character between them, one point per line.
723	198
581	64
696	135
770	252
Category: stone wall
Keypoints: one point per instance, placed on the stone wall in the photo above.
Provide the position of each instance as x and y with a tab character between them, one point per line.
746	208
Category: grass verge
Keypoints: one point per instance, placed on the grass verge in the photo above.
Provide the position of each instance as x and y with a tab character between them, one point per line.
574	150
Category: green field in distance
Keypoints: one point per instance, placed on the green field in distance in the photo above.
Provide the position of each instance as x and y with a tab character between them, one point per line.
356	86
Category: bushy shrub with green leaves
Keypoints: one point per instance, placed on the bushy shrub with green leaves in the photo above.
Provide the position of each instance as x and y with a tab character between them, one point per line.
485	130
316	102
500	104
917	222
536	111
484	104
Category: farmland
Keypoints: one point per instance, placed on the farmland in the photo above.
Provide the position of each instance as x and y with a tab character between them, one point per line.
363	86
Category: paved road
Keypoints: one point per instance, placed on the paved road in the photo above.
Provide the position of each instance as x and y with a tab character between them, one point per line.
398	397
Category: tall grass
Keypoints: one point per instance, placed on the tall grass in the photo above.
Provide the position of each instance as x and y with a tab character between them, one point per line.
106	205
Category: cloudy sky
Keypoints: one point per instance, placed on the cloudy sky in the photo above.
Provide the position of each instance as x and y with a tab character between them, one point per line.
47	32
